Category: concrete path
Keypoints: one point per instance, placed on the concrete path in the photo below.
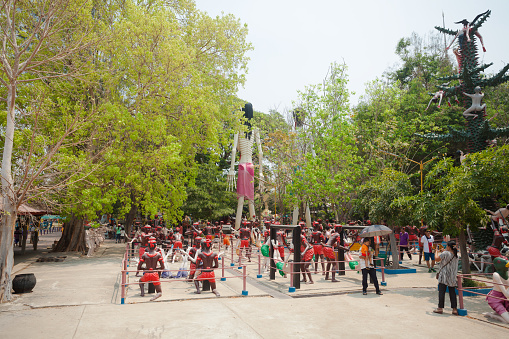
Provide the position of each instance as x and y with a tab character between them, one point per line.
79	298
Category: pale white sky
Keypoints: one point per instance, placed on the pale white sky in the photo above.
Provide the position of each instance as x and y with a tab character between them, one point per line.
295	40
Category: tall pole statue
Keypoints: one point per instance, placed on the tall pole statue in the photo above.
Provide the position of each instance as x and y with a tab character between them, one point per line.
243	141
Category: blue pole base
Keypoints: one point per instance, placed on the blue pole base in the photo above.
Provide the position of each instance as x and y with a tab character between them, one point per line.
223	279
232	264
240	267
291	289
462	312
258	275
122	301
384	283
244	292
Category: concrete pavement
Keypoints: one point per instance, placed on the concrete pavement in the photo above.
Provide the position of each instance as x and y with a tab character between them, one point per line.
80	298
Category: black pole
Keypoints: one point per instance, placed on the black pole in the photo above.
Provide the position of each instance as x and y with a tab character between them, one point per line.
341	253
296	257
271	253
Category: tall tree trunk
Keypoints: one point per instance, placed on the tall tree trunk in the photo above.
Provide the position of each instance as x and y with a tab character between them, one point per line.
465	263
73	237
394	250
129	219
8	221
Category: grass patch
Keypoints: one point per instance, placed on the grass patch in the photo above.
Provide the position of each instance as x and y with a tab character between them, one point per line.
473	283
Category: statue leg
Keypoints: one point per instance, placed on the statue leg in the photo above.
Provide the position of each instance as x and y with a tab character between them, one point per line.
197	285
308	216
142	289
303	271
334	269
214	289
504	317
238	216
295	217
306	270
250	203
159	293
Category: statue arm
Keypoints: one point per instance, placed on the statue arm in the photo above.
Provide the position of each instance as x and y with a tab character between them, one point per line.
468	95
231	173
308	246
260	150
140	263
453	40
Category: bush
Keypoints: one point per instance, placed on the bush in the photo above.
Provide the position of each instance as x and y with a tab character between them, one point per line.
472	283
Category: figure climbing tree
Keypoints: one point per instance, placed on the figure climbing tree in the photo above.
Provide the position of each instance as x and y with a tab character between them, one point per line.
478	131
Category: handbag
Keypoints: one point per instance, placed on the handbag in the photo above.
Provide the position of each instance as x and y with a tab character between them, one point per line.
444	266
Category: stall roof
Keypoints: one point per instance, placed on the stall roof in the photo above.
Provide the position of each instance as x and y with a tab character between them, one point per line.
25	209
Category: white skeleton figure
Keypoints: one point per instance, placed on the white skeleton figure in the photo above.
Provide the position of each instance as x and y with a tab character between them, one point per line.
476	103
245	146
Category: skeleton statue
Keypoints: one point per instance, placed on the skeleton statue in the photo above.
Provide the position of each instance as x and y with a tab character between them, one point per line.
245	181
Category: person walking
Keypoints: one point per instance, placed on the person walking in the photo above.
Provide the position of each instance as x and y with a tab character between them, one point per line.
447	277
367	267
427	244
403	244
118	233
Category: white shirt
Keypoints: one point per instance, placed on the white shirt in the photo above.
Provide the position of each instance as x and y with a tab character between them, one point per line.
427	243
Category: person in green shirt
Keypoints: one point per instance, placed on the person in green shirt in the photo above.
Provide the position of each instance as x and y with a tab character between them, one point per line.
118	231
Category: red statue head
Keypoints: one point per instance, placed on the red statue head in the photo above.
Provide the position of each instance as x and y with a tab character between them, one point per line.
207	244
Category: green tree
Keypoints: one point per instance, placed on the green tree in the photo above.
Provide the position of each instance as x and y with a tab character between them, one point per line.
39	40
169	74
330	166
207	197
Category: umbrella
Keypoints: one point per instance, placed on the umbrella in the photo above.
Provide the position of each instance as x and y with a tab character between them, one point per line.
375	231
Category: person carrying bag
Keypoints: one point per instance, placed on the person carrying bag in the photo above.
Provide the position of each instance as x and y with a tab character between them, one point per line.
447	277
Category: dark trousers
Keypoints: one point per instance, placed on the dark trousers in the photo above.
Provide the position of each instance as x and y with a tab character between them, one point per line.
374	280
441	296
404	248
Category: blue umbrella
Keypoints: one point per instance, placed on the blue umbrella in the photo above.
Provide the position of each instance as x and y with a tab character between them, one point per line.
375	231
